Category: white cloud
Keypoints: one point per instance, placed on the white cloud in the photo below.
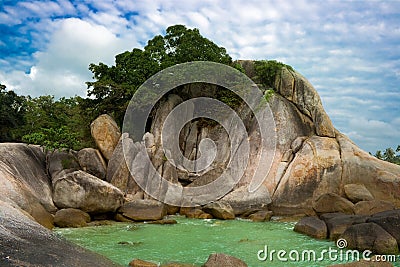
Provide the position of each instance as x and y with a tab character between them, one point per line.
62	69
348	50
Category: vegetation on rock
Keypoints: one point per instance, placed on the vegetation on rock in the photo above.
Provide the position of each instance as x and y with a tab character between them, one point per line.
65	123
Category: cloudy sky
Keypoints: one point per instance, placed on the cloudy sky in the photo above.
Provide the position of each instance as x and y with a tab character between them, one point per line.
349	50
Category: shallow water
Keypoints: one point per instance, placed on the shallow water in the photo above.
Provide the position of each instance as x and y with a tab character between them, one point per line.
193	240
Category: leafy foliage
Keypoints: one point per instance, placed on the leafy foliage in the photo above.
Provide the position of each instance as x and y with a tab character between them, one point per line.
52	139
115	85
12	112
267	70
389	155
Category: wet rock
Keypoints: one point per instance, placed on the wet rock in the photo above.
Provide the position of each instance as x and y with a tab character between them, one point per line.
338	224
312	226
261	216
142	263
143	210
164	221
241	200
220	210
71	218
219	260
388	220
24	242
370	236
372	207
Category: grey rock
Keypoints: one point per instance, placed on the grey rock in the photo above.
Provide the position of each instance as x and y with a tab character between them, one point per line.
86	192
143	210
338	224
241	200
219	259
370	236
24	242
390	221
373	206
312	226
92	162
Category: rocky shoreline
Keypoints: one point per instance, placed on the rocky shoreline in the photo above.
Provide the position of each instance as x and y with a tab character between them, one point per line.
316	171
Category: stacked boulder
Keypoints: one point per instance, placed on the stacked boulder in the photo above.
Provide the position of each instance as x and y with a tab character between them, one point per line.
360	221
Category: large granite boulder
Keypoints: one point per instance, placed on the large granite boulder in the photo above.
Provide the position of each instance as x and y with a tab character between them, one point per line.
86	192
390	221
242	201
91	161
357	192
143	210
330	202
312	226
24	242
71	218
373	206
295	88
370	236
60	163
24	183
338	224
105	133
118	173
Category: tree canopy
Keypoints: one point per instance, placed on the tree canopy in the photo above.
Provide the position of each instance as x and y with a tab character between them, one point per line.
115	85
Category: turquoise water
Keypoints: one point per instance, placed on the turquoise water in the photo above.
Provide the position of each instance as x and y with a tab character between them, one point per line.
193	240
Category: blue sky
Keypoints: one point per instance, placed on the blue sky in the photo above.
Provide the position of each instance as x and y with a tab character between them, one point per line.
349	50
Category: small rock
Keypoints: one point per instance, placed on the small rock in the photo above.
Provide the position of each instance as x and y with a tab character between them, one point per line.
177	264
357	192
372	207
327	216
261	216
312	226
164	221
220	210
142	263
370	236
71	218
195	213
223	260
331	202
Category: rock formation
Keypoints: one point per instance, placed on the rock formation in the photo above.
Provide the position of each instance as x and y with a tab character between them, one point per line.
315	169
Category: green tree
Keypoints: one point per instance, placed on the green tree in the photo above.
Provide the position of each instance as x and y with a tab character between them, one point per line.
12	111
51	139
266	71
378	154
115	85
